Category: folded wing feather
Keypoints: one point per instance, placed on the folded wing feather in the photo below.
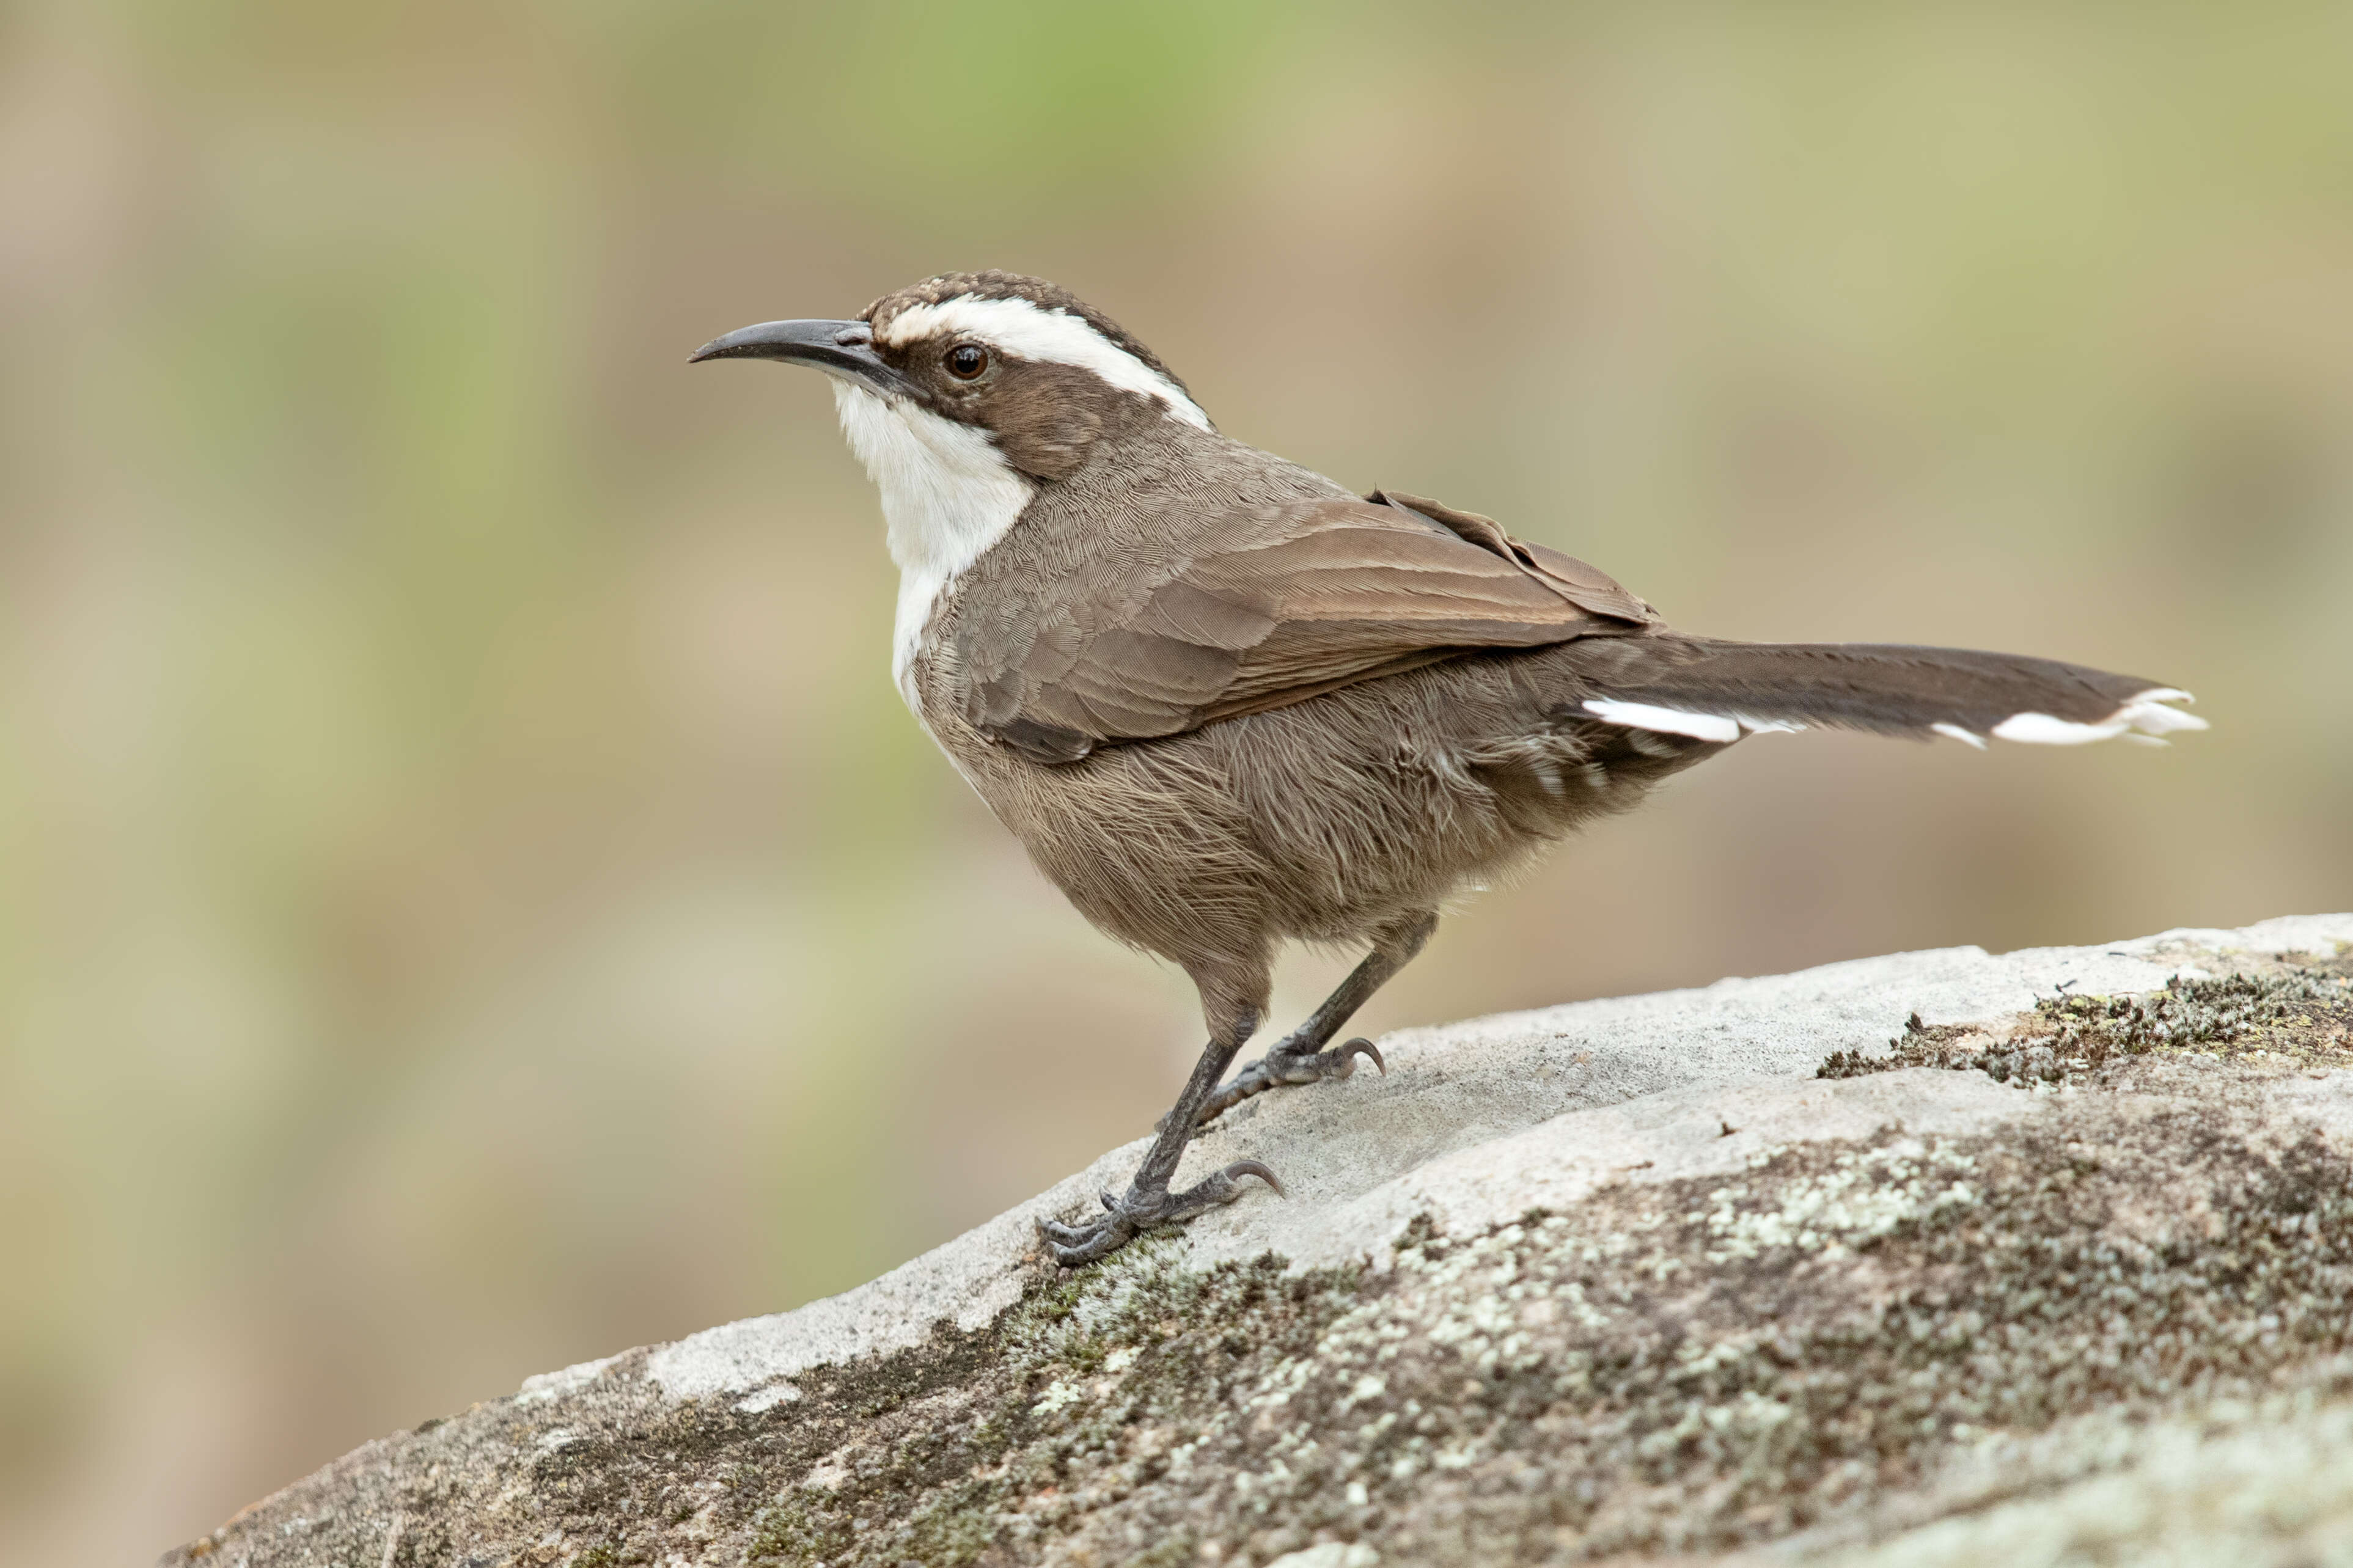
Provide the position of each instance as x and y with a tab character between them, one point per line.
1269	607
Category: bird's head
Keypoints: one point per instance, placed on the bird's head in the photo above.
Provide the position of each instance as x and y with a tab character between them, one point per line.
1022	365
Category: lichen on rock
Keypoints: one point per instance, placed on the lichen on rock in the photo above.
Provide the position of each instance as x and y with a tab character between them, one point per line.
2298	1012
1879	1317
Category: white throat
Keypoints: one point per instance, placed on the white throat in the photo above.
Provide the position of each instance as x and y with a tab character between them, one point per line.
947	495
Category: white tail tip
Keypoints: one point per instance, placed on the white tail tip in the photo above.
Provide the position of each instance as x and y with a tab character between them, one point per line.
2145	713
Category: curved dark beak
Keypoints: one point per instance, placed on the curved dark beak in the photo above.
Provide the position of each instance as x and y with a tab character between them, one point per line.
839	348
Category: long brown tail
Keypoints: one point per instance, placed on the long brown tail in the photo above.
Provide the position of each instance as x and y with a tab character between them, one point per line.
1715	691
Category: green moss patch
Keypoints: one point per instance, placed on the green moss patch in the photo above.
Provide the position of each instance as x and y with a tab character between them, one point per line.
1678	1367
2297	1014
1817	1344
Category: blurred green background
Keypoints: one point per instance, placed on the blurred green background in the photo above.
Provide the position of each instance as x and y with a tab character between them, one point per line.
471	898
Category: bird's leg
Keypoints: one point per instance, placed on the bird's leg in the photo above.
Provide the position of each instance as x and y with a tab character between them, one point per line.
1299	1056
1148	1203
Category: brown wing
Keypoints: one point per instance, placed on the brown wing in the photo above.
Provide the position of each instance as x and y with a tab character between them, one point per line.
1268	606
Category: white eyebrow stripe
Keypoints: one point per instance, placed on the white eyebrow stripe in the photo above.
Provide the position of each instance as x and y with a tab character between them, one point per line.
1019	327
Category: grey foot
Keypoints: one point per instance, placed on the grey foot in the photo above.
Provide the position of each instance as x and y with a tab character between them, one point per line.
1137	1212
1276	1069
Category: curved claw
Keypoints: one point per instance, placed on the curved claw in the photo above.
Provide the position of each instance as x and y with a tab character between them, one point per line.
1075	1246
1254	1168
1072	1246
1275	1070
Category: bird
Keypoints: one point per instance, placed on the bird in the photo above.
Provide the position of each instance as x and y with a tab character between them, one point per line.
1225	704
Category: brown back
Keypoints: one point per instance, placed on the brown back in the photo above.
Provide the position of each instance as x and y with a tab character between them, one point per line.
1180	578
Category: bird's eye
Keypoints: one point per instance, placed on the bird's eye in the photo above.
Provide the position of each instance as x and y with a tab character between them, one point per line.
966	361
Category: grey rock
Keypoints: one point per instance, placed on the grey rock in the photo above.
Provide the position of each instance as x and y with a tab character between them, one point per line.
1623	1278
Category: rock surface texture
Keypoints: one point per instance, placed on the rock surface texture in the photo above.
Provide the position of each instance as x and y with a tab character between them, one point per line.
1935	1258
